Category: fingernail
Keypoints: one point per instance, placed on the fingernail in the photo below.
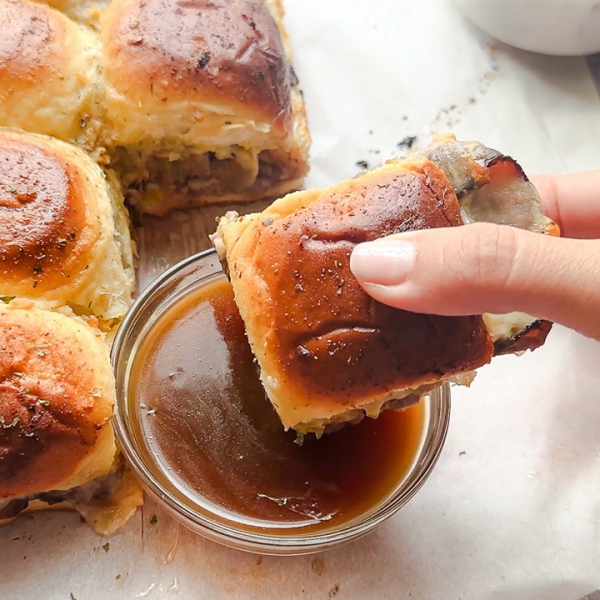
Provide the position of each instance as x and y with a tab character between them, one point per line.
383	263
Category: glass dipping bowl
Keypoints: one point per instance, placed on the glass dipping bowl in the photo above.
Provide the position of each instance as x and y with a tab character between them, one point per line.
188	507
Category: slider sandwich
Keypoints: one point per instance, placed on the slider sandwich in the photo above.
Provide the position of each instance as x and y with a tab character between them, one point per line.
50	79
202	104
328	353
64	229
190	102
57	394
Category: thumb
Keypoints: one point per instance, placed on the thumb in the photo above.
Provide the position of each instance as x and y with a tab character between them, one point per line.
485	268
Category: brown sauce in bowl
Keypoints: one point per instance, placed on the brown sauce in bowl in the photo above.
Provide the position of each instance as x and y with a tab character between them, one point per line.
204	416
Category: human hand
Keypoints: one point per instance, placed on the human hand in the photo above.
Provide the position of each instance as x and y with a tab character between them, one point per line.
498	269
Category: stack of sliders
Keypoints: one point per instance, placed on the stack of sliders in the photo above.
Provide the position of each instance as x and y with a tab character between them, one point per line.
189	102
328	353
176	104
66	280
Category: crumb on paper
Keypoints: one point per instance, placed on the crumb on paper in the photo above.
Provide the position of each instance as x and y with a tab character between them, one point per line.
334	591
106	547
407	142
363	164
153	520
450	116
462	452
318	565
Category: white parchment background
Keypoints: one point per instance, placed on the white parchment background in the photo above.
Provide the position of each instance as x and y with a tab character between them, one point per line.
512	511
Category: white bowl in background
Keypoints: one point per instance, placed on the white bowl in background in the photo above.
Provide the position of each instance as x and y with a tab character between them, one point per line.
556	27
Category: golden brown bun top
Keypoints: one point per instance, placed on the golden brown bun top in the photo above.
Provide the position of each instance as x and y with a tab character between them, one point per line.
29	34
219	52
48	72
56	398
333	344
48	214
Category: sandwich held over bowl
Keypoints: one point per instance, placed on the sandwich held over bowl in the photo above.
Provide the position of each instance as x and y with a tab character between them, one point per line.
328	353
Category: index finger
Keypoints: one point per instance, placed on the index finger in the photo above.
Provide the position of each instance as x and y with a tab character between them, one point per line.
572	201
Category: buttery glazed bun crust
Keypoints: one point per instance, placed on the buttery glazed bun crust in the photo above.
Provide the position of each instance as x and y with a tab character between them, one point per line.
57	394
222	56
58	238
202	105
192	102
324	346
49	78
